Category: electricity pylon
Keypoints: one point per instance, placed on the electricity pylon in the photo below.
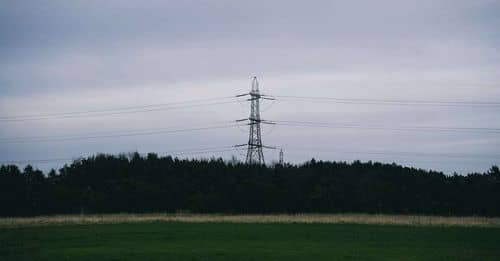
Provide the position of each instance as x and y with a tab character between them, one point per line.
281	162
255	154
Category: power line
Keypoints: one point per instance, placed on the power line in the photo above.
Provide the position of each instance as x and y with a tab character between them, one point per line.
400	153
168	153
35	161
387	101
179	105
112	135
112	132
401	160
254	145
118	108
203	102
139	132
116	111
210	151
382	127
292	149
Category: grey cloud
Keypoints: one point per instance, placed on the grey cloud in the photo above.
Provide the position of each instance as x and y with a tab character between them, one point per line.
62	55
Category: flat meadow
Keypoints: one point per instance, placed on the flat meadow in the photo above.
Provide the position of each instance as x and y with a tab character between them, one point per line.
249	237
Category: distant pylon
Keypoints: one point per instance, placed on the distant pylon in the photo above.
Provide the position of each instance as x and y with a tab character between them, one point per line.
255	154
281	162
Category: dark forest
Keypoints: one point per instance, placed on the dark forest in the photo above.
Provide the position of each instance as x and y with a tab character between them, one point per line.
136	184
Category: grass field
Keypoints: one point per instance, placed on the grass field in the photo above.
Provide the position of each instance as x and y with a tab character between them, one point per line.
247	241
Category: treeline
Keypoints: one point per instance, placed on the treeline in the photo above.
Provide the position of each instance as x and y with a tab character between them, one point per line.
131	183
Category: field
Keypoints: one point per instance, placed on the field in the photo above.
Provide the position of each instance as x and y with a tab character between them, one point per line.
217	237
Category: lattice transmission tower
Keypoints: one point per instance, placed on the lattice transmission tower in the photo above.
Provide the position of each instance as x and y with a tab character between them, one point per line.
281	161
255	155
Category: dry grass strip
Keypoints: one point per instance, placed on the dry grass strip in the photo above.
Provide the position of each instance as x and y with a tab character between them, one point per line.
272	218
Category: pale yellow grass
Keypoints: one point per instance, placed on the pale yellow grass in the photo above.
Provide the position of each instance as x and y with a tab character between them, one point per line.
273	218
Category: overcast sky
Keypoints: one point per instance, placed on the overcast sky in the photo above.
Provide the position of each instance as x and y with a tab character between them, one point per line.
67	56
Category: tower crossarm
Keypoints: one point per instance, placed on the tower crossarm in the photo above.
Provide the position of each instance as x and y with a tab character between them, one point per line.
255	121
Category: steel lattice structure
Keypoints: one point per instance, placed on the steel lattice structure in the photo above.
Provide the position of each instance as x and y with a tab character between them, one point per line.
255	155
281	161
254	151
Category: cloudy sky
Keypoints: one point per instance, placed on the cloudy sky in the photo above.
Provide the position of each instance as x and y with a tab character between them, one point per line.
90	57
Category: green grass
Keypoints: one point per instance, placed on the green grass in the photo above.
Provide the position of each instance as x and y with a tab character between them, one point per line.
231	241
